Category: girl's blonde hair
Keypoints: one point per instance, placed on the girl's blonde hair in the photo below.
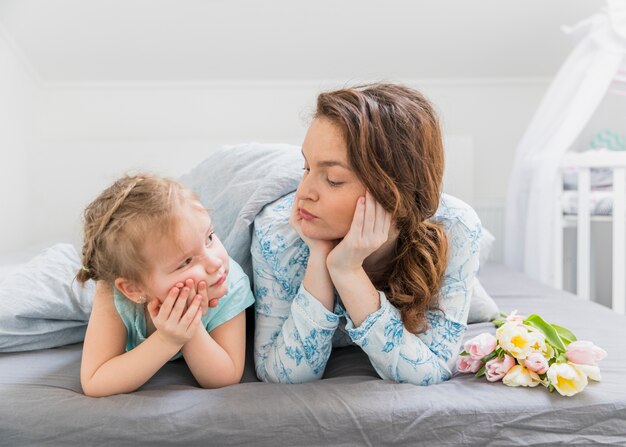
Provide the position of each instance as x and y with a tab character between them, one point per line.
118	222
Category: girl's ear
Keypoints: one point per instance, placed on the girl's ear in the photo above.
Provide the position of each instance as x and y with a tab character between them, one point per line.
131	290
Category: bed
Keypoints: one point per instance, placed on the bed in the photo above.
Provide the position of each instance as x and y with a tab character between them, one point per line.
41	402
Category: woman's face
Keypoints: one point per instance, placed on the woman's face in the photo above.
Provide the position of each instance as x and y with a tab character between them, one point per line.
329	189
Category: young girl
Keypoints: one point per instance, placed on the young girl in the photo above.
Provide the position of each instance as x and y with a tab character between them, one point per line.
150	246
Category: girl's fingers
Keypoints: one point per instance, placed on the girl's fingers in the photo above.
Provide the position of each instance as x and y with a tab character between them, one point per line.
202	291
181	303
168	303
191	312
193	326
192	291
153	308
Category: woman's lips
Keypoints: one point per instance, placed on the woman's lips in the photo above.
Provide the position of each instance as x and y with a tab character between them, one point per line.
304	214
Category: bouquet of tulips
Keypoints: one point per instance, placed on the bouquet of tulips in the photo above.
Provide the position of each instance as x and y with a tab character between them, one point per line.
528	351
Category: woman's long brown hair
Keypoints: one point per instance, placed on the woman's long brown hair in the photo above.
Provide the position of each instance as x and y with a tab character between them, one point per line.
395	148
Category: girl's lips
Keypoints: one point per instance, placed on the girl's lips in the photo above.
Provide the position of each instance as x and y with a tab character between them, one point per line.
304	214
221	280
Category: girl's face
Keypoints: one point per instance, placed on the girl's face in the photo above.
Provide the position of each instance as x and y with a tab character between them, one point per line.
195	252
329	189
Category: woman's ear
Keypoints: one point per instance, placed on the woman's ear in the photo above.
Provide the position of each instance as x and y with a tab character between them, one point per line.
131	290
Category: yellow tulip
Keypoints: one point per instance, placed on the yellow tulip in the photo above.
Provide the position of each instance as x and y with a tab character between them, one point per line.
567	378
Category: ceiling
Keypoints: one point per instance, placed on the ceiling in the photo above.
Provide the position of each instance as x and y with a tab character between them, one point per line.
206	40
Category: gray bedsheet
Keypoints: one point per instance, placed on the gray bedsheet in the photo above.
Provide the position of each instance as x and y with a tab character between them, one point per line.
41	401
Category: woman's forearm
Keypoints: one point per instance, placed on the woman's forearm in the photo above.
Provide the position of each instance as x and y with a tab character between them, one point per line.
317	279
358	294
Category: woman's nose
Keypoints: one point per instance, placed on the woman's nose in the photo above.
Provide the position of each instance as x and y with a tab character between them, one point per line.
306	188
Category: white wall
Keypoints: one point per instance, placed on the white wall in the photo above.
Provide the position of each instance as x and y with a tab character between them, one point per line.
88	134
17	89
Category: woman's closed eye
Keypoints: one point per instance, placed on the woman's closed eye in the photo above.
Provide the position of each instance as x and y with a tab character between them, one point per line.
334	183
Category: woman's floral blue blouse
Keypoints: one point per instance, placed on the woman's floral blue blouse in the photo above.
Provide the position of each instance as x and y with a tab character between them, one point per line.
295	333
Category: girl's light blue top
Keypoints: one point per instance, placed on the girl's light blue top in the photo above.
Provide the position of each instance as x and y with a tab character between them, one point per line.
237	299
295	333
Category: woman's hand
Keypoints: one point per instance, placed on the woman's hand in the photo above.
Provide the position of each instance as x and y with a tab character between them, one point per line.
368	232
175	322
316	246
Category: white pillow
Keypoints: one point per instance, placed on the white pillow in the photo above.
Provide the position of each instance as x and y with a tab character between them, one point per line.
486	244
41	304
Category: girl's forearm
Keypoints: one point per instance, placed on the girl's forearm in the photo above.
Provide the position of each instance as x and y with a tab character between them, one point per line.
209	363
357	293
127	372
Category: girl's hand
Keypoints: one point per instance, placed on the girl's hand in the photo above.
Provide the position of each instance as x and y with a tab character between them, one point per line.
369	230
315	245
201	292
175	322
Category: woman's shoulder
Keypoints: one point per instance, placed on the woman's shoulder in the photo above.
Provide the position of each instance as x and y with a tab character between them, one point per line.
453	211
277	211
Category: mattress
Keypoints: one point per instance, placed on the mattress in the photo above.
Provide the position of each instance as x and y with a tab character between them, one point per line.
41	402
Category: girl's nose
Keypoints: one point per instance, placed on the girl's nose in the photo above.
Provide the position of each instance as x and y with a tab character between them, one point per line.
212	263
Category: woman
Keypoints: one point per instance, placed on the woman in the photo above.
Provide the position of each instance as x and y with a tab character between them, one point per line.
367	251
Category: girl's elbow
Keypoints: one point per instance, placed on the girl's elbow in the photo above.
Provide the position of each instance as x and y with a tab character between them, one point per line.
92	390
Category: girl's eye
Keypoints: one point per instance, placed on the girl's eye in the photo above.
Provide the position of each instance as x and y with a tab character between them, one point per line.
185	263
209	239
306	170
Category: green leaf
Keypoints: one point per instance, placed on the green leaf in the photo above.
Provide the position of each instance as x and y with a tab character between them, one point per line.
566	335
481	371
498	322
551	334
489	356
463	352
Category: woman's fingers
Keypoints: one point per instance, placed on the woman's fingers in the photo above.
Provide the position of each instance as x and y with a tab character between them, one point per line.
387	224
359	216
369	224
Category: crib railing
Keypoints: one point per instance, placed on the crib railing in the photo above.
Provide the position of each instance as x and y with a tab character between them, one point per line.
584	161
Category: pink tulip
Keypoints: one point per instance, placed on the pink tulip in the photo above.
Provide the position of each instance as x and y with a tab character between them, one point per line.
514	318
496	369
537	362
466	364
481	345
583	352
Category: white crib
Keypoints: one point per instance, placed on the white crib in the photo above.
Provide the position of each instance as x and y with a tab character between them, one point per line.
584	162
